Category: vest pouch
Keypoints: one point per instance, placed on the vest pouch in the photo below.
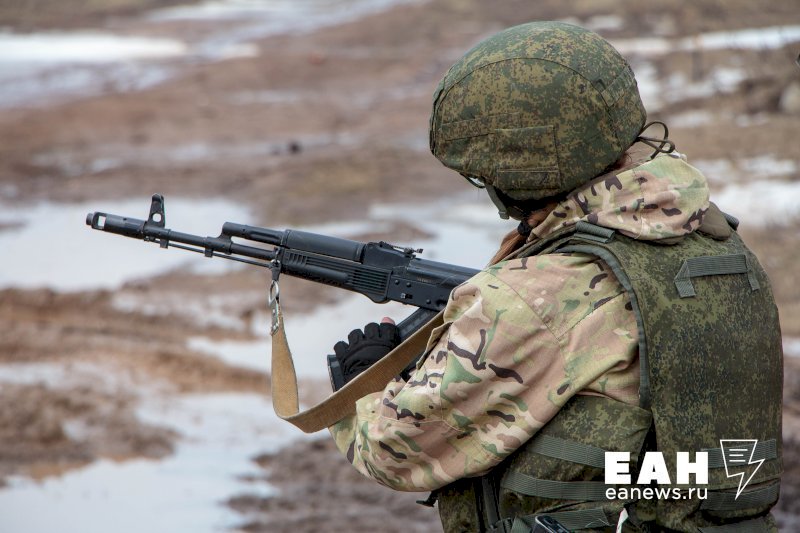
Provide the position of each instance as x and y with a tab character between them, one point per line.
571	448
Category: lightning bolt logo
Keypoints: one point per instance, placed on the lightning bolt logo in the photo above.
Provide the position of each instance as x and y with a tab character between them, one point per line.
739	454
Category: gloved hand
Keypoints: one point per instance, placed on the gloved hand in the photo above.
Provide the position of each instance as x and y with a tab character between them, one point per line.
364	349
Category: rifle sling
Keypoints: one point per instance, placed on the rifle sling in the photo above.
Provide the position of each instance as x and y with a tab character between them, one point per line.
342	402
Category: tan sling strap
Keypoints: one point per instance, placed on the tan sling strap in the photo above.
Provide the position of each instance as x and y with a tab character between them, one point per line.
342	402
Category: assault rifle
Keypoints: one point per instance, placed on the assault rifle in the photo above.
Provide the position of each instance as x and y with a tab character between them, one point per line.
380	271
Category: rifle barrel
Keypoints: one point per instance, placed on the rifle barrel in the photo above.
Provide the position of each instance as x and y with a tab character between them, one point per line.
143	230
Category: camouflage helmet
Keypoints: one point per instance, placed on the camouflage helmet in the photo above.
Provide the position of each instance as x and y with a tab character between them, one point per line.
535	111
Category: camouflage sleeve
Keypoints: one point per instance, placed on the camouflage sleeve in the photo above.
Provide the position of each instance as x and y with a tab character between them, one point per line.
497	371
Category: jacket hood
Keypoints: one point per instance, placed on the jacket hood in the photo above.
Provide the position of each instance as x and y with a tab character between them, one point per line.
663	198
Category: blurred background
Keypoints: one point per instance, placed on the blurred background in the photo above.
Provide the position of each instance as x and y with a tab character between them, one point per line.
133	390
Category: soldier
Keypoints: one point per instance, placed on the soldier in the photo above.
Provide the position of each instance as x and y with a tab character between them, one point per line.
624	314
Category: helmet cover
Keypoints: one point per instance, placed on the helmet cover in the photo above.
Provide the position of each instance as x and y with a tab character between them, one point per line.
536	110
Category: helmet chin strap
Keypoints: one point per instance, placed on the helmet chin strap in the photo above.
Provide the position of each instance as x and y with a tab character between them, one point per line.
505	210
501	207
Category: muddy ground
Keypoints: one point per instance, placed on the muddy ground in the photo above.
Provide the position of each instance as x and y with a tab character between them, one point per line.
314	129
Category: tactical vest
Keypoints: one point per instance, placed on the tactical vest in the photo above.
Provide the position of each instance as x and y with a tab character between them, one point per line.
711	369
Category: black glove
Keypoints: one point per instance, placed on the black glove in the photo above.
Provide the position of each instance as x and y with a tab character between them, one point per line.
364	349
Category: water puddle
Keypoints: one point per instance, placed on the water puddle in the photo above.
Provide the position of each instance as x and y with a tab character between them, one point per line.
184	492
329	324
752	169
791	347
113	155
50	67
752	189
363	99
267	17
83	47
49	245
769	38
761	203
220	433
35	67
657	92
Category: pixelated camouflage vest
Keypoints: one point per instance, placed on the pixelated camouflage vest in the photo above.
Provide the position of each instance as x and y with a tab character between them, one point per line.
711	369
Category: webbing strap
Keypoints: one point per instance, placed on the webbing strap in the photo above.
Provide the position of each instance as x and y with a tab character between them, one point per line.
489	505
756	525
582	519
727	501
588	231
342	402
568	450
572	520
765	449
557	490
712	265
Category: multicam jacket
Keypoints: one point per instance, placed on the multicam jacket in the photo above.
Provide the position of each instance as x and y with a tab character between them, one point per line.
522	338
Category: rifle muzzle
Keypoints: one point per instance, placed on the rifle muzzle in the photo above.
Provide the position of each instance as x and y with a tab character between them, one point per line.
129	227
